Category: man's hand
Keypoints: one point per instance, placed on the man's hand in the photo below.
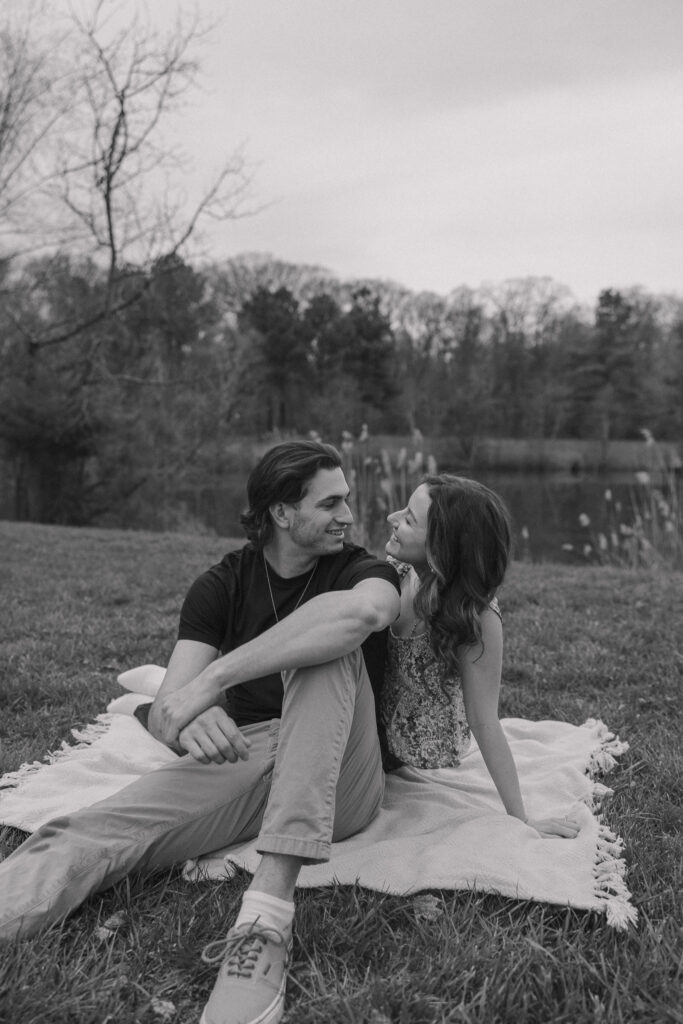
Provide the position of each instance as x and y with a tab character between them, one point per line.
213	736
172	711
554	828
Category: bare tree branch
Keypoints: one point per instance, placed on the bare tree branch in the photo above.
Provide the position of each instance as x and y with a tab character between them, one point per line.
114	192
32	105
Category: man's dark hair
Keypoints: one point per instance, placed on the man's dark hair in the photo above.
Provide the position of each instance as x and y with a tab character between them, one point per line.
282	474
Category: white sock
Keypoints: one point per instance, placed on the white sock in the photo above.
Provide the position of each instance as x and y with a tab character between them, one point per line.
269	911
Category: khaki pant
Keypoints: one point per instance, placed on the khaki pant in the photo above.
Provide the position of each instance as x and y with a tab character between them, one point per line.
312	777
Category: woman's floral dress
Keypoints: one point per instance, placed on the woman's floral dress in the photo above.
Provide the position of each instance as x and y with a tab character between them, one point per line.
422	710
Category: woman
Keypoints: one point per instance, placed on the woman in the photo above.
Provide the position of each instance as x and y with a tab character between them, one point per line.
451	546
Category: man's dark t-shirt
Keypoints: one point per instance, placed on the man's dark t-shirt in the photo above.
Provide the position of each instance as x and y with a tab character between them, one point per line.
230	604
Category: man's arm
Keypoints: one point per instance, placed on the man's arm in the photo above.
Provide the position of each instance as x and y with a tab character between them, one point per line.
211	735
188	660
326	627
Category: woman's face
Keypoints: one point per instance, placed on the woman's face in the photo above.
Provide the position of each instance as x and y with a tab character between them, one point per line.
409	529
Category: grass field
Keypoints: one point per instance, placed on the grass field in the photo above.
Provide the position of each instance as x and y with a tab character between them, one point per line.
79	606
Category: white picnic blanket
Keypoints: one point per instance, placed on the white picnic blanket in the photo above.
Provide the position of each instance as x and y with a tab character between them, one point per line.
437	829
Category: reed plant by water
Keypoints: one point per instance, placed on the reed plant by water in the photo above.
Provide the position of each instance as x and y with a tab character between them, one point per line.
380	482
646	531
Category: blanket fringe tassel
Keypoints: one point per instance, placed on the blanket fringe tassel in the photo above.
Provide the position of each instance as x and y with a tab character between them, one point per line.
603	758
609	872
83	737
609	869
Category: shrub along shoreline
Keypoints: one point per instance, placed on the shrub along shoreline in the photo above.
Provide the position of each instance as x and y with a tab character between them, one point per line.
82	605
542	454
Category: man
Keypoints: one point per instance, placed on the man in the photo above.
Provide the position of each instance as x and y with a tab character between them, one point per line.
292	756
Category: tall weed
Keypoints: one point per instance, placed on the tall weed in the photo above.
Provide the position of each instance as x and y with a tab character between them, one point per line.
380	482
646	531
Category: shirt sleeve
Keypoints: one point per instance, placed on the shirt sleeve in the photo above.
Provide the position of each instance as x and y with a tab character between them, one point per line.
367	567
205	614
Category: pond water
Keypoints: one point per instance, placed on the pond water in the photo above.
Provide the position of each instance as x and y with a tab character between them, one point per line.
551	508
547	509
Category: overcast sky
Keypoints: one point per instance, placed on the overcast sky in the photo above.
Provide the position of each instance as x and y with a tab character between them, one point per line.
448	142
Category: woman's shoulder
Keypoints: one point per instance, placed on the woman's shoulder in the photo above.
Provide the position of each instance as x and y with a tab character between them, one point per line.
491	618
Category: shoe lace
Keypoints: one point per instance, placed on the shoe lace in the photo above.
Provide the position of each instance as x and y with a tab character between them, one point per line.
240	950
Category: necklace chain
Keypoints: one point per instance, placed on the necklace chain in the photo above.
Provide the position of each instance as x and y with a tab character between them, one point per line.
301	595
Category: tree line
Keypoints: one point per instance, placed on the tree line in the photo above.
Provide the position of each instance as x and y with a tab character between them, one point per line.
133	369
156	396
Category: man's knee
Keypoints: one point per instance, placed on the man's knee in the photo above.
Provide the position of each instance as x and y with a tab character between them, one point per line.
348	668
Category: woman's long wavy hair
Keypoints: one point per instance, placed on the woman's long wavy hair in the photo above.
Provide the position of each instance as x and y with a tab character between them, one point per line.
468	549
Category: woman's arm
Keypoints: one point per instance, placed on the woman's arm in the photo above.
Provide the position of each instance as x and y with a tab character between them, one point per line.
481	670
481	676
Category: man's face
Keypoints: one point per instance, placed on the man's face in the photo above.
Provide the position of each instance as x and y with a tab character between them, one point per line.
319	521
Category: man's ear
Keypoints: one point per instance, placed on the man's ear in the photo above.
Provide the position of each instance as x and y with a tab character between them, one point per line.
280	514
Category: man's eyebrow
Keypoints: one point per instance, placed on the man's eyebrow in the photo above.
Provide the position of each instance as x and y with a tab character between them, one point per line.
333	497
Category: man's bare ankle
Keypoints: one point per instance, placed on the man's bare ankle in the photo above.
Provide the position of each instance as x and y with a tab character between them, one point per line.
277	875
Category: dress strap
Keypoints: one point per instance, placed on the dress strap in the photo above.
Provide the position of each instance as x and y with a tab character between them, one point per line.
402	568
415	625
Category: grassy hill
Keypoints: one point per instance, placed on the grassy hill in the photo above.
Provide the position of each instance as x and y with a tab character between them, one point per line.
79	606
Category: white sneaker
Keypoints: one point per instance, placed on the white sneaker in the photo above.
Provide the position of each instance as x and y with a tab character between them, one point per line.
250	987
